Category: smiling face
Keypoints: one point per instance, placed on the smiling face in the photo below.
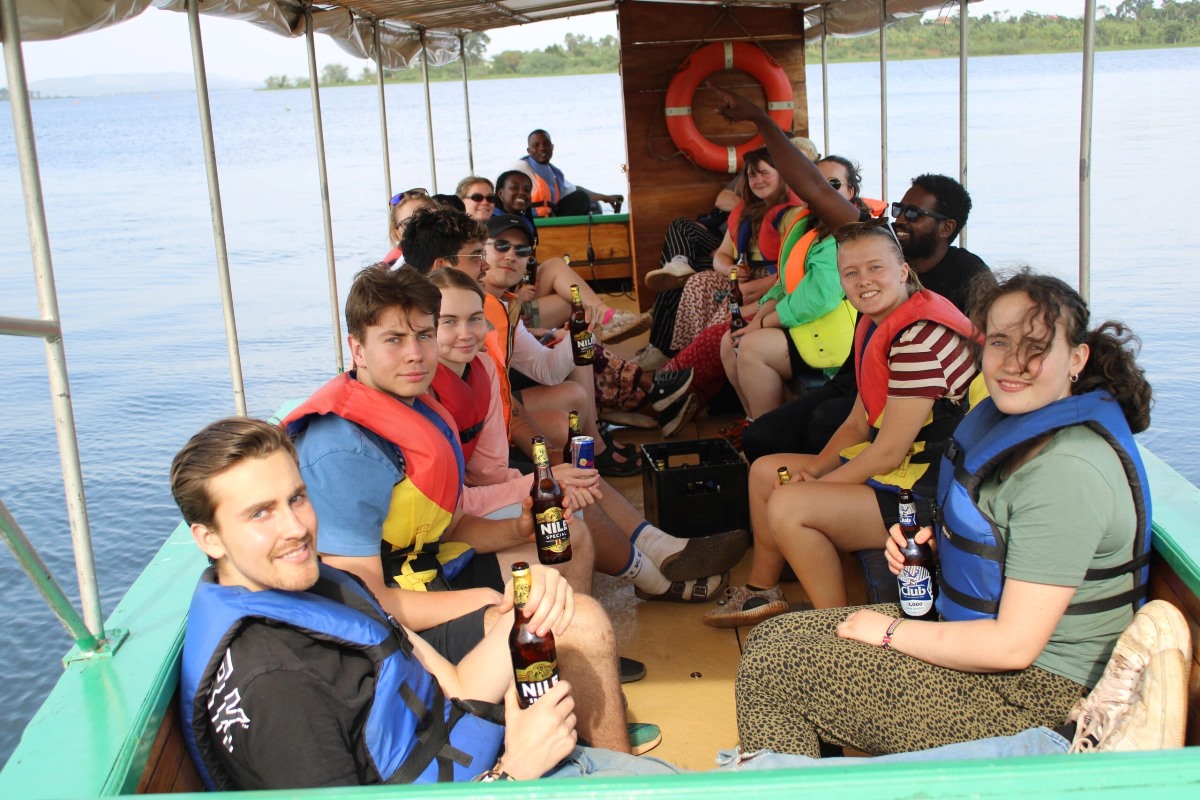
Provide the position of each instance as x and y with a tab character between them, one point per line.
398	355
506	269
264	532
540	148
479	210
1023	366
461	326
762	179
515	192
919	238
873	276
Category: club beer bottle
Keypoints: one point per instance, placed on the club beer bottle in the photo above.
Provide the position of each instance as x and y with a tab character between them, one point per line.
535	662
736	320
583	343
918	589
551	534
573	430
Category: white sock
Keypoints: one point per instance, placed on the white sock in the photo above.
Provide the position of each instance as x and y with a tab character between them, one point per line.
656	543
644	573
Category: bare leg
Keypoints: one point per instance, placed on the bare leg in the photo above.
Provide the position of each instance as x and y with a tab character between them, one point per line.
587	657
729	360
611	543
812	522
763	367
577	572
554	278
764	480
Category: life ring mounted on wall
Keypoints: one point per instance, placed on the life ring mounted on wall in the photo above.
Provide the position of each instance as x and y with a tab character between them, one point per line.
692	72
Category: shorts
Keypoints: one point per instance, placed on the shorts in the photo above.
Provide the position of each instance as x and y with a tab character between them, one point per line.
799	366
459	636
481	572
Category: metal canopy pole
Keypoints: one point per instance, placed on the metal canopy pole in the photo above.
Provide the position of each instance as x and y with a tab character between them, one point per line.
322	171
462	52
214	202
825	73
1085	152
962	104
387	159
883	125
428	112
56	357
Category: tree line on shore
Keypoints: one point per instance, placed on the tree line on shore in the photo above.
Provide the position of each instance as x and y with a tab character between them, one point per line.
1132	23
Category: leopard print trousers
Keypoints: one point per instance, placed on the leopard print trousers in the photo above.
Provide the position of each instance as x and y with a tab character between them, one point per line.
798	684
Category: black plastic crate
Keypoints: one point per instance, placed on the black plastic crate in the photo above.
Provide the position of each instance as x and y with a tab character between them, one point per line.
700	487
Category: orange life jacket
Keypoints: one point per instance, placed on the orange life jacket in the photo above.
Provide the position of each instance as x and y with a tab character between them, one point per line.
498	344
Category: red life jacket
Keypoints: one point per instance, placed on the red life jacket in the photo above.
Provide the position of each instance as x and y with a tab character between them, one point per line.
770	239
466	400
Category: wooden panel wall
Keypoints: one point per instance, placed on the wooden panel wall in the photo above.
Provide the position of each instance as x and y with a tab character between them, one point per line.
655	39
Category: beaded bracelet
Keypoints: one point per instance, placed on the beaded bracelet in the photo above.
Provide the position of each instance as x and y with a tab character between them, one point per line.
887	637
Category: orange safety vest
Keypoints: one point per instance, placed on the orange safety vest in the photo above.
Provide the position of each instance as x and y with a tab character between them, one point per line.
498	344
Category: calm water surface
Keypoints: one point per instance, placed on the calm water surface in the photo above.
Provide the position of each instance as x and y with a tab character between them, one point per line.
132	245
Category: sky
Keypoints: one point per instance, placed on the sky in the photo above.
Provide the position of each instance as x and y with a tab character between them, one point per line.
157	41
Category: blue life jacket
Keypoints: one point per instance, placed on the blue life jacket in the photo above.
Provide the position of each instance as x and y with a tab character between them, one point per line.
412	734
971	550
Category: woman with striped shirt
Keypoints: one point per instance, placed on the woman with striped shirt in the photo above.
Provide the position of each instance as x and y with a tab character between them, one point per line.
914	365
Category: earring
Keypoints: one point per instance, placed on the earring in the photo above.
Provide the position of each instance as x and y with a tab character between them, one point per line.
1075	377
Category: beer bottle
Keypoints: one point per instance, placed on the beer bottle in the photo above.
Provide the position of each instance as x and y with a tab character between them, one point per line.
535	662
736	320
531	272
918	589
573	430
784	475
583	343
551	534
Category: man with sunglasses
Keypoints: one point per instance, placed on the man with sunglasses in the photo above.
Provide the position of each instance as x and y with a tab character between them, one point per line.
927	220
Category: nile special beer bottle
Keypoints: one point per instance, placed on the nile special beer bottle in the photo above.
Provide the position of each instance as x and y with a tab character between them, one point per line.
535	662
917	586
573	430
784	475
551	534
736	320
583	343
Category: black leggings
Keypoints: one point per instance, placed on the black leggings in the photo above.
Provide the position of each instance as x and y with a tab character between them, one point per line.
685	237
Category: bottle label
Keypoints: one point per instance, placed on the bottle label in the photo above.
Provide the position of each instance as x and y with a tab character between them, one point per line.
916	591
908	514
585	344
551	530
521	591
535	680
541	458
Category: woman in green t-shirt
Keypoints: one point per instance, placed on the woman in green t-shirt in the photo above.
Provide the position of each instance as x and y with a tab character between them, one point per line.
1062	504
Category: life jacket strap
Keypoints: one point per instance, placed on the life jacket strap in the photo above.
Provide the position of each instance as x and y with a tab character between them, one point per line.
968	601
992	552
433	738
471	432
1121	569
1134	595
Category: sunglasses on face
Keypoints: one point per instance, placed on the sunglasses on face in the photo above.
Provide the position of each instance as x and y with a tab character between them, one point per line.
408	193
835	183
521	250
479	198
911	213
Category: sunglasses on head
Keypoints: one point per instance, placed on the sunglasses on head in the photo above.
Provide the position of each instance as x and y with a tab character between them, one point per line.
408	193
835	183
503	246
876	223
479	198
911	213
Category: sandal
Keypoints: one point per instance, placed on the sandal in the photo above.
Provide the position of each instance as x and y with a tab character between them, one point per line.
699	590
609	467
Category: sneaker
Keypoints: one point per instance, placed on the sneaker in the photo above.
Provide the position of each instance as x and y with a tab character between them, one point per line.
631	670
628	419
671	275
743	606
680	413
643	737
669	386
624	324
1140	701
650	358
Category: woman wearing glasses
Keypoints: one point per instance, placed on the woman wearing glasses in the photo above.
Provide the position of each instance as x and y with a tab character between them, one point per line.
1046	466
478	196
403	206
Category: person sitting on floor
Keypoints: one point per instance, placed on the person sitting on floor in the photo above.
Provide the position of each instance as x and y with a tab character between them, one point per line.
1043	541
281	688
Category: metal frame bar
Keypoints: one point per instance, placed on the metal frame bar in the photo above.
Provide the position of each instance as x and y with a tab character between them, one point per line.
214	202
462	56
383	129
323	175
56	357
1085	151
825	73
962	104
428	113
883	123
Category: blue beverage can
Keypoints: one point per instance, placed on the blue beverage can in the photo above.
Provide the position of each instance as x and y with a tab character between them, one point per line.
583	452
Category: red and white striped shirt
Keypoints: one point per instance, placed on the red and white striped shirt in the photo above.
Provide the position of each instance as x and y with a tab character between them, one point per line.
930	360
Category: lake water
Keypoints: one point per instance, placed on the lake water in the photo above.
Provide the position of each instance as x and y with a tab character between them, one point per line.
132	245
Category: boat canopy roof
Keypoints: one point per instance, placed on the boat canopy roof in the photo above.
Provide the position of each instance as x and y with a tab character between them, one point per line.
406	25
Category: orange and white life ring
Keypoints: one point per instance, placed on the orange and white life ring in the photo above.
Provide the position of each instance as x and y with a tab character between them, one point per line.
692	72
